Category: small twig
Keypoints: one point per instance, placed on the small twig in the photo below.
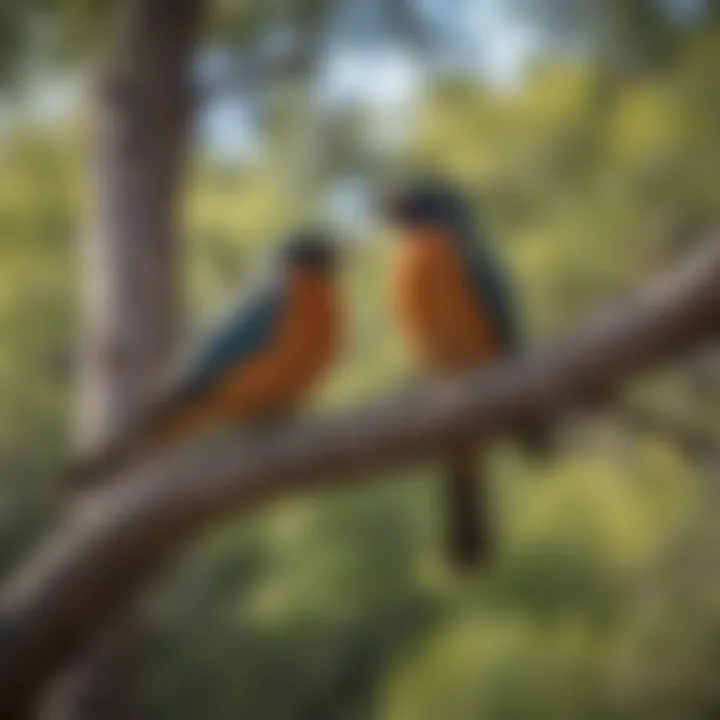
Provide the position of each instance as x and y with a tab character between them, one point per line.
693	441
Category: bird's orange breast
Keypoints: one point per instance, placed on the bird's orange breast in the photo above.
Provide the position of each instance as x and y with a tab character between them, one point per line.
277	378
304	347
436	307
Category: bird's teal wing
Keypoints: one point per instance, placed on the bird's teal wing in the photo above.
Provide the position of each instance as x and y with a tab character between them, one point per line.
246	330
492	290
490	285
494	293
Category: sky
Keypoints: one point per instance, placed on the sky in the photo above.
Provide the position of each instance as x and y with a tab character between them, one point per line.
365	67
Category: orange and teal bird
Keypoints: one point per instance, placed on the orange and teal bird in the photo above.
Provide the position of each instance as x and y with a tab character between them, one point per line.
455	309
256	365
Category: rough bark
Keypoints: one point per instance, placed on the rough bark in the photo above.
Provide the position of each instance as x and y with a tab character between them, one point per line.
130	274
119	539
130	253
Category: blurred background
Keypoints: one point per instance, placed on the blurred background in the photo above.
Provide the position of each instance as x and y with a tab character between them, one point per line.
587	132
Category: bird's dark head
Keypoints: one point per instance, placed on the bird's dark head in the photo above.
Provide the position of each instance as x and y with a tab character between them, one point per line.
426	202
311	250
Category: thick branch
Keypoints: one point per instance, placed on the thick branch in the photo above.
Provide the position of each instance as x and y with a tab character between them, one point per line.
122	536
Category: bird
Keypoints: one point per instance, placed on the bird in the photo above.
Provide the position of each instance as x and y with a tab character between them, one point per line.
254	366
455	309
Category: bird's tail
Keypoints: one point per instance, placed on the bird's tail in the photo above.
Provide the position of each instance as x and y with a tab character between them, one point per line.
469	532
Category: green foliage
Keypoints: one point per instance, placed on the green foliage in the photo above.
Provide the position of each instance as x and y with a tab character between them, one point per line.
66	35
39	177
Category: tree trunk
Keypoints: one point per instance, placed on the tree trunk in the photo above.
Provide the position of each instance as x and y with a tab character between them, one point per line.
130	280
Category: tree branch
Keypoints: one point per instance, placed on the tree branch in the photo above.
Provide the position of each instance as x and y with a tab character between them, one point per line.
123	535
408	23
255	74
